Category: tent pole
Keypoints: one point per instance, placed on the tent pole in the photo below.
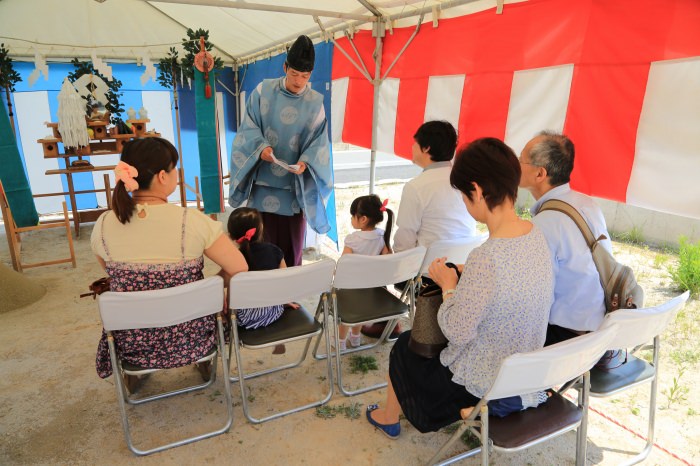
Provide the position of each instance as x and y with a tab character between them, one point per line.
378	31
9	110
181	170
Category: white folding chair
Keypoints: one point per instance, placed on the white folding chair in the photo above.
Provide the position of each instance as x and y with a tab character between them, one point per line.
163	308
360	297
269	288
525	373
636	328
456	251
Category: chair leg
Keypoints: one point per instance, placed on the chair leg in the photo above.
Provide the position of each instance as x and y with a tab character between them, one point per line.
339	355
642	455
243	377
484	435
582	432
121	392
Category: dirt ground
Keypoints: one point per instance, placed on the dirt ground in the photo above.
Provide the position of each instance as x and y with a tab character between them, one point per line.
54	409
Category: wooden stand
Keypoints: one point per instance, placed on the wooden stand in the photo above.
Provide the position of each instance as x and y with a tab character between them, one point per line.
15	242
103	142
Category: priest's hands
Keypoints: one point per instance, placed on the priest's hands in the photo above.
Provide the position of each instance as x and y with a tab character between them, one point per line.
266	154
302	168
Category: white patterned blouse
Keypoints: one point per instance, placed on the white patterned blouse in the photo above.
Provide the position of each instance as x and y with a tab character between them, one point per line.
501	307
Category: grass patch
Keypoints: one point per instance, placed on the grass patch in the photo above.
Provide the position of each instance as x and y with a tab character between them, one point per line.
633	236
660	260
351	411
686	274
467	438
363	364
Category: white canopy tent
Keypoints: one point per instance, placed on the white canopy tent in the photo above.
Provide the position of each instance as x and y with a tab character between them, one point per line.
659	159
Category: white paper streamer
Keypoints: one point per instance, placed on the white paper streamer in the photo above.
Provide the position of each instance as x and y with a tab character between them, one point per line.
150	71
101	67
71	116
40	67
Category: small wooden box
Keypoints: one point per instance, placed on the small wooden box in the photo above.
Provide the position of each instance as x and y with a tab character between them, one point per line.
50	147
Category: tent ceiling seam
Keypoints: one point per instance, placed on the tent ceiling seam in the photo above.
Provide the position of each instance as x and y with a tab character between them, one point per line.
271	8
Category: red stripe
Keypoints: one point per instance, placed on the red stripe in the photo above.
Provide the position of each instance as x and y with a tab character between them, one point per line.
611	44
485	102
409	110
602	120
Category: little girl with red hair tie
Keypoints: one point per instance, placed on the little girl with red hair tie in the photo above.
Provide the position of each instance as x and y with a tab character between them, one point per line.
245	227
367	212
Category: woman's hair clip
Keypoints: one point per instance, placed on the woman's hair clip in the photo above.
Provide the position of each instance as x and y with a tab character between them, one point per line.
248	235
126	174
384	204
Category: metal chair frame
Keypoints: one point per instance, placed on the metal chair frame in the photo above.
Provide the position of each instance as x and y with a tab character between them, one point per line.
272	287
530	372
161	308
637	327
356	273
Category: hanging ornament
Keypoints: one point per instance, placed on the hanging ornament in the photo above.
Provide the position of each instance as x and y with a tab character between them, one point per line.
101	67
92	87
204	62
150	71
71	117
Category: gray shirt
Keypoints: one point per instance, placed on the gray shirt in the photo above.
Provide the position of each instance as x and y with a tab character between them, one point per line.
500	308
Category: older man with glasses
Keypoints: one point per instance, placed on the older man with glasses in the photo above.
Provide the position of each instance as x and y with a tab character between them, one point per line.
579	306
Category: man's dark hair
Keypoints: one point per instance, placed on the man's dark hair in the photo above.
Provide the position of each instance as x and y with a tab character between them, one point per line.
555	153
439	137
491	164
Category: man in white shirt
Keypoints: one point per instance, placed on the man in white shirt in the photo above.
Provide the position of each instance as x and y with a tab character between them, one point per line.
579	306
430	209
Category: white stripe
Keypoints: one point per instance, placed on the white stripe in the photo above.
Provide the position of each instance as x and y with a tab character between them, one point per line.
158	104
444	98
386	124
242	103
98	177
538	101
666	163
339	95
32	110
223	150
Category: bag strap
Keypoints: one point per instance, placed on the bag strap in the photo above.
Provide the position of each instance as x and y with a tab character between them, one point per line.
567	209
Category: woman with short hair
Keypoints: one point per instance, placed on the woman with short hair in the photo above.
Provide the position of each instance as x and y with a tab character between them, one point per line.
499	306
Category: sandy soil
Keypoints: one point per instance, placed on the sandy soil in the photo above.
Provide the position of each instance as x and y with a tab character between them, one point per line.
55	410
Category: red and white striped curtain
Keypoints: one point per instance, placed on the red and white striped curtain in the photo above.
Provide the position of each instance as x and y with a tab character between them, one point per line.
620	77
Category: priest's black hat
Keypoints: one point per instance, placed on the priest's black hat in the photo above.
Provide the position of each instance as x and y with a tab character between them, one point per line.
301	55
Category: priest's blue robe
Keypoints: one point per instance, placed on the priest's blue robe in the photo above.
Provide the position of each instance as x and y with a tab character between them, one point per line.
295	126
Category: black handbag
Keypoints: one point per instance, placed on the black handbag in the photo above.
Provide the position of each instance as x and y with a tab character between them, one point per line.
427	339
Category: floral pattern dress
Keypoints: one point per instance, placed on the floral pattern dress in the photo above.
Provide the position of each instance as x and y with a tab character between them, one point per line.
158	348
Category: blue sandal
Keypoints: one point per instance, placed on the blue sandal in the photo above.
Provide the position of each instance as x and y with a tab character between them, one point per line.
390	430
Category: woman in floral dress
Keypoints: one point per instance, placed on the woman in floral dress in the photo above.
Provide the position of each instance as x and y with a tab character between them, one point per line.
145	243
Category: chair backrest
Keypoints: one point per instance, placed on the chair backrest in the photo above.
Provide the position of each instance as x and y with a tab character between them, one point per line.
161	308
456	250
358	271
639	326
523	373
271	287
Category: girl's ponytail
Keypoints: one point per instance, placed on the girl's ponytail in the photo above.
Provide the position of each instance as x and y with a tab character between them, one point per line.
389	225
122	204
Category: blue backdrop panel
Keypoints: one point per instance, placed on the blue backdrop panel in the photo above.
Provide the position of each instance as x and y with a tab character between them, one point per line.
320	82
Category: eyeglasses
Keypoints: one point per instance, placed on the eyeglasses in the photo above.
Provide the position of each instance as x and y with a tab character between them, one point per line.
528	163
